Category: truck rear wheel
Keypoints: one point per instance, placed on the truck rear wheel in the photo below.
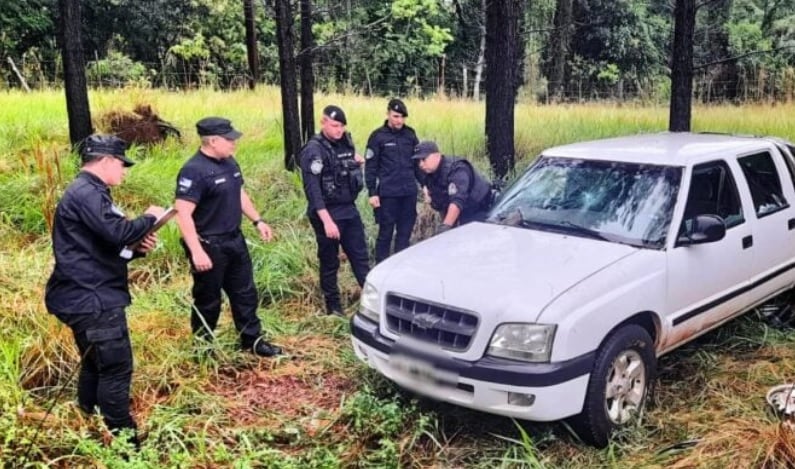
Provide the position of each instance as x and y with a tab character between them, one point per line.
621	380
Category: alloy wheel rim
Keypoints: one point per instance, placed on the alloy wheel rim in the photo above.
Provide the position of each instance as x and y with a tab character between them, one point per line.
626	387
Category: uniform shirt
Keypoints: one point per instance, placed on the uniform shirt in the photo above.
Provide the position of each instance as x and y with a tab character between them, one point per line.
215	186
88	235
389	169
319	170
457	182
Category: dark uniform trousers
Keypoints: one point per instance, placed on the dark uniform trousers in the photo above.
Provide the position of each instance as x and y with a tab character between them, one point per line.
106	365
395	215
232	272
355	247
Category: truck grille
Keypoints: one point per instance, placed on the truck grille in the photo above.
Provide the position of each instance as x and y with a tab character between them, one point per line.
449	328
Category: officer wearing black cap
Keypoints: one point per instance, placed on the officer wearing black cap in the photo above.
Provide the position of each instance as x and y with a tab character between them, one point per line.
88	289
210	203
456	190
332	179
391	183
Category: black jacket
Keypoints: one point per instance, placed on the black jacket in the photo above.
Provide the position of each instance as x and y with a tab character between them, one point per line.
389	169
88	234
457	182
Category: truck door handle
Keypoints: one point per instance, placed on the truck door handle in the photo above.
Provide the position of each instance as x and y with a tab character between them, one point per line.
791	223
748	241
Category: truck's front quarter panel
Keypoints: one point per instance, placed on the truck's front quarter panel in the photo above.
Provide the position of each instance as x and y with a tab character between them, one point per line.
587	313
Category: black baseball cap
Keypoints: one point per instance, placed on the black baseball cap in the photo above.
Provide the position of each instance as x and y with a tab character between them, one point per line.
424	149
97	146
335	113
217	126
398	106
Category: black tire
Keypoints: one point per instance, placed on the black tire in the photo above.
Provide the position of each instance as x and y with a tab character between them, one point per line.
629	348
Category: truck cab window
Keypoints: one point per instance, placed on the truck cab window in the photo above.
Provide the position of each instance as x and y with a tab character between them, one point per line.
714	192
763	182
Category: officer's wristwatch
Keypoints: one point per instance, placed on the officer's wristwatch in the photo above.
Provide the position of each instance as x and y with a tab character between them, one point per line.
257	221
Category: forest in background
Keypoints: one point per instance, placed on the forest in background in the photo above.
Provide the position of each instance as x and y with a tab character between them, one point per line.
574	50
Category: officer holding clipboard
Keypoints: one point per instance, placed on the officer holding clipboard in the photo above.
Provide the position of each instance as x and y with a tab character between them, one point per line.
88	289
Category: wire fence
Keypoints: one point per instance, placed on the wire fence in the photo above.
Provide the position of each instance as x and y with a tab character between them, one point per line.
752	86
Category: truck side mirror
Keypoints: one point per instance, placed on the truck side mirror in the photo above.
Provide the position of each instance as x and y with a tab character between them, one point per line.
703	229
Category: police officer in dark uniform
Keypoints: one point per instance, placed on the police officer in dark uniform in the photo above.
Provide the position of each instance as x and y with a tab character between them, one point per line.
456	190
332	179
391	183
210	203
88	288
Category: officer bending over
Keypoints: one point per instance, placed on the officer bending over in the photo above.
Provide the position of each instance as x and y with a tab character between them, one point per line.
210	203
88	289
456	190
391	183
332	178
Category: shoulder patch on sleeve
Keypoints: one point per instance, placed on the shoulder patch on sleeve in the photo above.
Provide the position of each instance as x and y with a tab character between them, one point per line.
452	189
316	167
369	154
184	184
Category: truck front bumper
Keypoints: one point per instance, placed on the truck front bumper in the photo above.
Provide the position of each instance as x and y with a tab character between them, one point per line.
529	391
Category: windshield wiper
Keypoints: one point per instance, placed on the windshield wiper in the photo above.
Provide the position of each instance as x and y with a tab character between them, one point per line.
581	230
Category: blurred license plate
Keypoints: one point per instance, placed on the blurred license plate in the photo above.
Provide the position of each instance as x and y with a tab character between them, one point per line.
421	370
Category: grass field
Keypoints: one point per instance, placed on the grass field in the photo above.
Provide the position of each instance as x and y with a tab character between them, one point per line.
317	406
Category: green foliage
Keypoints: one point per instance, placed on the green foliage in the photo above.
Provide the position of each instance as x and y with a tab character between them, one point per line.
24	24
393	55
117	69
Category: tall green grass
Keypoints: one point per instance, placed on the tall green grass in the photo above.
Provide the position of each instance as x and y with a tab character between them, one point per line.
317	406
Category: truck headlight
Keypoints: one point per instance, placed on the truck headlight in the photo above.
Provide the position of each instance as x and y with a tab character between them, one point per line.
369	303
526	342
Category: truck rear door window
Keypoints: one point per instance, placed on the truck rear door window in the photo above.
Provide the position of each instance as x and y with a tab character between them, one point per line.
762	177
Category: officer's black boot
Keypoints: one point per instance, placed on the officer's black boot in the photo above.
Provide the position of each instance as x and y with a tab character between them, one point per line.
333	308
130	434
260	347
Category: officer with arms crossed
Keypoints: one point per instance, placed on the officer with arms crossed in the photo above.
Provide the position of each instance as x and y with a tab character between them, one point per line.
210	203
88	289
391	183
332	177
456	190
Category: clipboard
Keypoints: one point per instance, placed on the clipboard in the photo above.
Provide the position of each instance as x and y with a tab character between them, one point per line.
168	214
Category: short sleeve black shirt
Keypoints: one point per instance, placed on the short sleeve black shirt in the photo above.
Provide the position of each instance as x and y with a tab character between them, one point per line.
215	186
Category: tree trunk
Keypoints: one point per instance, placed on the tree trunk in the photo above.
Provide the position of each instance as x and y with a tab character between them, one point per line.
289	90
682	66
481	56
502	53
74	66
307	74
251	43
19	75
561	46
465	75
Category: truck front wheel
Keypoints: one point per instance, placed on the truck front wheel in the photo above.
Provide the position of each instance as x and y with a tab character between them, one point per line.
620	382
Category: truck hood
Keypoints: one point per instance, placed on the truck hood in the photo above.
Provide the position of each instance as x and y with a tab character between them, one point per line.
499	272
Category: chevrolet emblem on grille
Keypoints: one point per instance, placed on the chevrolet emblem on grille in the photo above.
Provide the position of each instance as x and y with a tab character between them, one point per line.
425	320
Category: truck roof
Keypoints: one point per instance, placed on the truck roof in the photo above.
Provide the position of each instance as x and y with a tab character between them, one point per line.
665	148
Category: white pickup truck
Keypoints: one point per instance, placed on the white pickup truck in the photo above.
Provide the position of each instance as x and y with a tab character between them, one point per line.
601	257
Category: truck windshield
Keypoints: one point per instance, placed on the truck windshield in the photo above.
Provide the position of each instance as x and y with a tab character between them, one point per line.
619	202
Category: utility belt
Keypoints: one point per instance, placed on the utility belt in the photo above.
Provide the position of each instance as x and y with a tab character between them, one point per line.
220	238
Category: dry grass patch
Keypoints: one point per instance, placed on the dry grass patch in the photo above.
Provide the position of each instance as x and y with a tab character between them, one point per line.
252	397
